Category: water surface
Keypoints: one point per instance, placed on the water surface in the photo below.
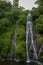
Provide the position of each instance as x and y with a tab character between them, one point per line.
17	63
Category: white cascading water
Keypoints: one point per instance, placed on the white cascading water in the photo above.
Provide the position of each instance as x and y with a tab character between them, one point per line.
14	56
14	42
14	45
10	57
27	31
30	44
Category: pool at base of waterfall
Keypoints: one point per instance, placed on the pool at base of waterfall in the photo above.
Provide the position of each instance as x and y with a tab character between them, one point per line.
18	63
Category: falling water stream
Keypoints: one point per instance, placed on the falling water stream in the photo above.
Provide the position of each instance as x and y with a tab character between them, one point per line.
14	42
14	56
30	48
10	57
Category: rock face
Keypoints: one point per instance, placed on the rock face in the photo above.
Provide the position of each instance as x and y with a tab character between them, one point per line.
1	59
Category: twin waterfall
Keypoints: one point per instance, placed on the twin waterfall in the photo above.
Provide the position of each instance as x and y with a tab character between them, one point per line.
30	48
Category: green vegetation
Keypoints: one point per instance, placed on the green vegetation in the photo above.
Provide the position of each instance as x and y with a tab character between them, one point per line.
20	47
12	14
5	41
37	18
9	16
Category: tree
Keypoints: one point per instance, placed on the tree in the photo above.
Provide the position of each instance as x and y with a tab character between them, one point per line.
15	3
6	0
39	2
5	6
39	20
35	14
40	6
8	20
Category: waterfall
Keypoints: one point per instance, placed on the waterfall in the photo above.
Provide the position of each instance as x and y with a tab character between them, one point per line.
30	48
10	56
14	56
14	42
14	45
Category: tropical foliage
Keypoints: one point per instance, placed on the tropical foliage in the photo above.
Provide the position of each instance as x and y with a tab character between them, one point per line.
13	17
